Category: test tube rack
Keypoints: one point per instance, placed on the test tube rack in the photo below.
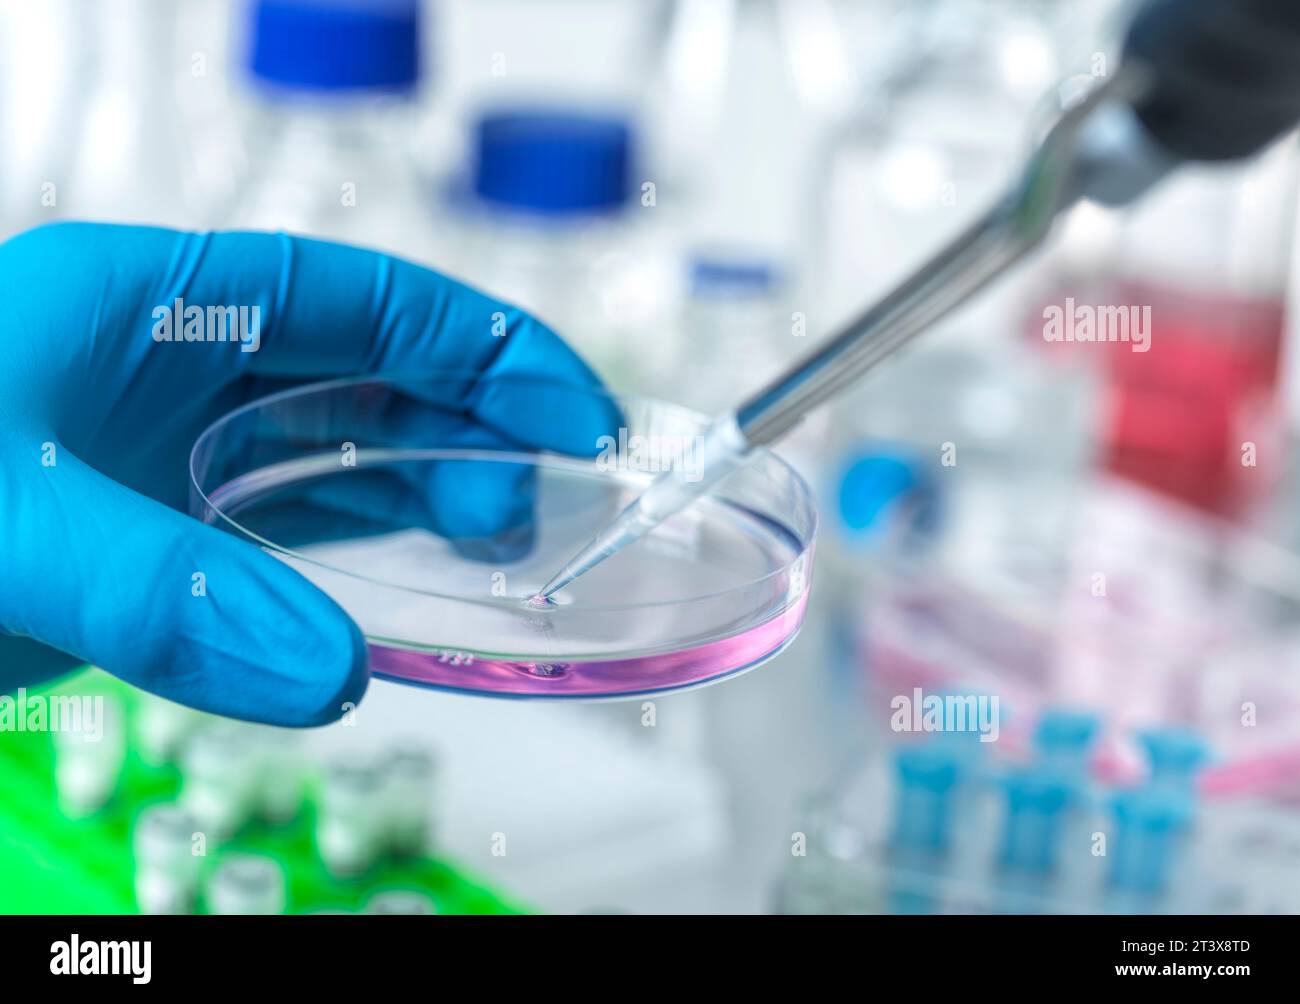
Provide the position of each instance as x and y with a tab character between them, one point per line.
50	863
1237	854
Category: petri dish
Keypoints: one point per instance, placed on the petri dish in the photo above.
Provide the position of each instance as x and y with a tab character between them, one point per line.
433	506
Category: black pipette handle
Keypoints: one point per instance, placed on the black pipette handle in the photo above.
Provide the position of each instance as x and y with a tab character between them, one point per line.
1225	74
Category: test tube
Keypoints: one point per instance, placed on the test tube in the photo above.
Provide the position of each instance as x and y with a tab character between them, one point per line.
166	867
1037	800
161	727
921	837
350	825
88	764
1150	823
247	884
220	768
410	773
927	777
280	775
401	901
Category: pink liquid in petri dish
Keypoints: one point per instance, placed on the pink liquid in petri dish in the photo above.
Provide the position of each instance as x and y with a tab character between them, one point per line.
625	677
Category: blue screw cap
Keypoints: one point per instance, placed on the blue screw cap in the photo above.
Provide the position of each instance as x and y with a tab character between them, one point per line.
553	162
336	45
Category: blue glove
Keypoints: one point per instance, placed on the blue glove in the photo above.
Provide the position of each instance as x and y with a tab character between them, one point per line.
96	424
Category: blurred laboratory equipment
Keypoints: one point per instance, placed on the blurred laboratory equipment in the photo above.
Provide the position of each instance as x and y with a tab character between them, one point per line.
167	868
134	159
44	63
1190	401
223	822
247	884
728	70
331	112
401	903
88	769
943	823
749	265
939	127
349	828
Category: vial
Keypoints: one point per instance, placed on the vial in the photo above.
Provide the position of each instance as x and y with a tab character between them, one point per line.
280	776
350	823
247	884
166	867
410	773
401	901
161	727
1150	824
88	761
220	768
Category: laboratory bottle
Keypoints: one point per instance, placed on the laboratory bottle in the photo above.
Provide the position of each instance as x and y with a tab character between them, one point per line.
1179	305
551	215
333	92
749	93
41	108
133	160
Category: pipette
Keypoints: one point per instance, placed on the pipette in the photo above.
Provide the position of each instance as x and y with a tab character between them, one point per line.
1111	145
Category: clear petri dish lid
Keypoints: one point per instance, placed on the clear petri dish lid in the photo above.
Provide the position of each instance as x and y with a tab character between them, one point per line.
432	506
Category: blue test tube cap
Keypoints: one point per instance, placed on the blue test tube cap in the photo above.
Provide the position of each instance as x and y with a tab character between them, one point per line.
1037	800
553	162
336	45
1150	823
1066	730
1064	738
1175	755
927	779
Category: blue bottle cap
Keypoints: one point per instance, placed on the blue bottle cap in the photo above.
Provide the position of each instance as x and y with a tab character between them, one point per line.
337	45
553	162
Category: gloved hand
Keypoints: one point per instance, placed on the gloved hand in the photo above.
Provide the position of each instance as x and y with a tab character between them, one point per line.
96	424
